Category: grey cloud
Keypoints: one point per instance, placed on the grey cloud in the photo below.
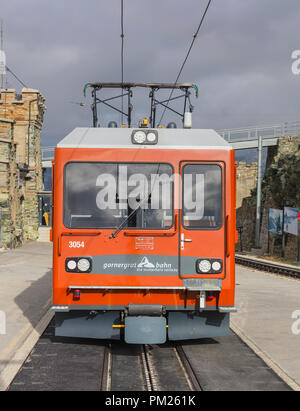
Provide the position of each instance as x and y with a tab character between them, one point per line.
241	60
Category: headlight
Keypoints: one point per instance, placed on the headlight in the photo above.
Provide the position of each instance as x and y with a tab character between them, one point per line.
78	265
139	137
216	266
71	264
83	264
151	137
144	137
204	266
209	266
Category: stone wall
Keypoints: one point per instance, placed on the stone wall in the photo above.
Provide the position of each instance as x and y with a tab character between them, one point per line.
246	181
21	119
280	187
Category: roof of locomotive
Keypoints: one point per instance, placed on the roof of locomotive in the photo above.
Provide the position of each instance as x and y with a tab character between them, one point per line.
121	138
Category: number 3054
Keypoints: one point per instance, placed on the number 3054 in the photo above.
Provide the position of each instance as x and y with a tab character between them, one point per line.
76	244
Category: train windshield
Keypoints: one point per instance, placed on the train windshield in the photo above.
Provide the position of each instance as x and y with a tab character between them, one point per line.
103	195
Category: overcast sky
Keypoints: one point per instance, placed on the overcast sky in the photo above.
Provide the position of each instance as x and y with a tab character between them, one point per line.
241	60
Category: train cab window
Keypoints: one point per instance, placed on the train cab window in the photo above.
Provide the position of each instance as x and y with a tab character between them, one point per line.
105	195
202	196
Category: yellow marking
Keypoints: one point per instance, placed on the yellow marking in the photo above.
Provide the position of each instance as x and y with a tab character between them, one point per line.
14	342
122	326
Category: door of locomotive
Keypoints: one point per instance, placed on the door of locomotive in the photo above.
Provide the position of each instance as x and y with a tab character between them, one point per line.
202	233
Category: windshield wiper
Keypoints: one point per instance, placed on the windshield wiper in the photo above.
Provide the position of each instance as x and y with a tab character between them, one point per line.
114	234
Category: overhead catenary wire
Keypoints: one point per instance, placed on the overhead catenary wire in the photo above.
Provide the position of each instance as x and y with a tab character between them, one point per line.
15	76
122	55
6	67
2	50
185	60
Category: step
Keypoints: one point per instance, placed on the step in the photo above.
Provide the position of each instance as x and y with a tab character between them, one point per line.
44	234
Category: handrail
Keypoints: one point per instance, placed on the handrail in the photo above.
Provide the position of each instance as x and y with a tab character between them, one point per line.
154	232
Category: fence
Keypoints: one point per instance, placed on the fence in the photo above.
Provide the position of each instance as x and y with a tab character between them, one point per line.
267	131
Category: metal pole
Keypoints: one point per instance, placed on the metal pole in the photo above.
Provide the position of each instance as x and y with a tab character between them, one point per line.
94	108
298	253
268	248
1	48
258	198
283	238
0	227
129	107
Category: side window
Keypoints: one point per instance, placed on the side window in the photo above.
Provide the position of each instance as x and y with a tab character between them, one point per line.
202	196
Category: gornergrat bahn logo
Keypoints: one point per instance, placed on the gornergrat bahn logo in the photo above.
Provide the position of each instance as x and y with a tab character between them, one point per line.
141	264
145	263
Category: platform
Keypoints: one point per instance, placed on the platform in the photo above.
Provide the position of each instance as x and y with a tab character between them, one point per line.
25	297
266	304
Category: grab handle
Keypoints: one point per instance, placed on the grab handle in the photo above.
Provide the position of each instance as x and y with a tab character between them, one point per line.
154	233
227	226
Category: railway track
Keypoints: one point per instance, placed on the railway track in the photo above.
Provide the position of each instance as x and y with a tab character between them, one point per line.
65	364
268	266
149	368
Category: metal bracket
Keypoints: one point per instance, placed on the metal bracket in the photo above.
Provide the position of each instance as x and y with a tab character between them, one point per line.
202	302
203	284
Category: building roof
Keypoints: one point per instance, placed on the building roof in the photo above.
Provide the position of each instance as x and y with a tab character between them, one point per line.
121	138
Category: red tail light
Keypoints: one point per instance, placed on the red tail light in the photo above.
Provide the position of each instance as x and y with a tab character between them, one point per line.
76	295
210	296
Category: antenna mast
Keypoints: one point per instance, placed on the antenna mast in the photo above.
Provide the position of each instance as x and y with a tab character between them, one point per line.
2	55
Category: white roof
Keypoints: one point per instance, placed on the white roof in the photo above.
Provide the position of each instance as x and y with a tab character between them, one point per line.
168	138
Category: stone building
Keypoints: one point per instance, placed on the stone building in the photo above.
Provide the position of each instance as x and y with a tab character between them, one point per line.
21	177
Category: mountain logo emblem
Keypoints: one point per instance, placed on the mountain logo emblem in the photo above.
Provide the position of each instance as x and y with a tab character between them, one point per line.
145	263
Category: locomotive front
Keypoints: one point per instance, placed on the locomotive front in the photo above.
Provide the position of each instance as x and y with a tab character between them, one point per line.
143	234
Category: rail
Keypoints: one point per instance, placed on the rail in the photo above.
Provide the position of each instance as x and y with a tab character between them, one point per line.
268	266
266	131
154	377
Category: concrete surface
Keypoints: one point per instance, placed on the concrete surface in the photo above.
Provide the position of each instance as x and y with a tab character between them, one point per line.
25	295
266	306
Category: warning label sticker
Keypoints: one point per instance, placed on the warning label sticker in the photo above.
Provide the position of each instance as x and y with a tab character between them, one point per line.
144	243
